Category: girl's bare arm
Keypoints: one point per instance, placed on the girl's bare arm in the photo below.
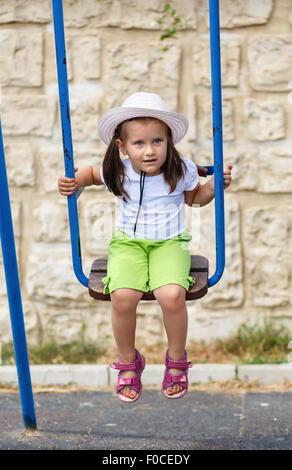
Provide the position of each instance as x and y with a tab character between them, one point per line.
203	194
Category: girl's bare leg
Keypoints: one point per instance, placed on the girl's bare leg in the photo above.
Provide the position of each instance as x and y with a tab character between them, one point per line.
172	299
124	304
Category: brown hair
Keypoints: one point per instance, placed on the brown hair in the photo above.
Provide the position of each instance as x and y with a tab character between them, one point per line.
113	169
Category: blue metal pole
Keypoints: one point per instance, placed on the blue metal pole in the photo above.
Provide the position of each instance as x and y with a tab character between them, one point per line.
217	139
67	136
14	296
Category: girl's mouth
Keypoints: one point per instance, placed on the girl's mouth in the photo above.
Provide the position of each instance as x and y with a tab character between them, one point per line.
150	161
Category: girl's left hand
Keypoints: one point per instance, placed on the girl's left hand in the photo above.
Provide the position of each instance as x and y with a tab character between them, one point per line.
227	176
226	179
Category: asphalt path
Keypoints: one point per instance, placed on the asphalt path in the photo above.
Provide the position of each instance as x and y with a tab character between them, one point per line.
97	420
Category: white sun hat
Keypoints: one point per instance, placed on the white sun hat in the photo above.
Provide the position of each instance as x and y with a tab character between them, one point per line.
142	104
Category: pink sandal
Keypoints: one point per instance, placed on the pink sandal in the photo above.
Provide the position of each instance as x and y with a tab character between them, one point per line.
181	379
133	382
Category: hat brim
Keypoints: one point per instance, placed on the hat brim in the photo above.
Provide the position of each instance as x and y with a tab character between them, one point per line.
108	123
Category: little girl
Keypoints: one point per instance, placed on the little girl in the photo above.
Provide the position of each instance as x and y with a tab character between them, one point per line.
149	248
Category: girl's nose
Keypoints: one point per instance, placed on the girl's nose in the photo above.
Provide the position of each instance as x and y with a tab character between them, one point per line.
149	150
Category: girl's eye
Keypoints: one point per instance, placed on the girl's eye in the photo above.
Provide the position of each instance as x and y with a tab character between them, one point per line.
138	142
157	141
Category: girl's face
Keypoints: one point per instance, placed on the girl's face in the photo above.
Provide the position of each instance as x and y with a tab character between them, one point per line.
145	142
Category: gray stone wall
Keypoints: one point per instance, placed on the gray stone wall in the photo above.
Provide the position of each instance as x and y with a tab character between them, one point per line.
114	49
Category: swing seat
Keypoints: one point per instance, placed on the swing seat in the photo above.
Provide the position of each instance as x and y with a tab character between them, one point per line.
199	272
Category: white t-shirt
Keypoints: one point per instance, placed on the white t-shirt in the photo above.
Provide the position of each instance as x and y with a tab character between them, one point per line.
162	215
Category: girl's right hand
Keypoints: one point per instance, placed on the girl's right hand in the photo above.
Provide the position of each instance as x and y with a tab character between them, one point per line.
67	186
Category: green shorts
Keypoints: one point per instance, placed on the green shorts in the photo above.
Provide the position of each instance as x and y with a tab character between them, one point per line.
146	265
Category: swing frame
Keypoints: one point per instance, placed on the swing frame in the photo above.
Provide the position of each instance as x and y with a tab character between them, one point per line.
6	224
217	168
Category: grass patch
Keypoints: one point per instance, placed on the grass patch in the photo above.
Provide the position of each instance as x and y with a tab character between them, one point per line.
259	344
251	344
51	352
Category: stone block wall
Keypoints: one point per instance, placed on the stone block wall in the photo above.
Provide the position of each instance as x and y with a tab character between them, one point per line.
114	49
